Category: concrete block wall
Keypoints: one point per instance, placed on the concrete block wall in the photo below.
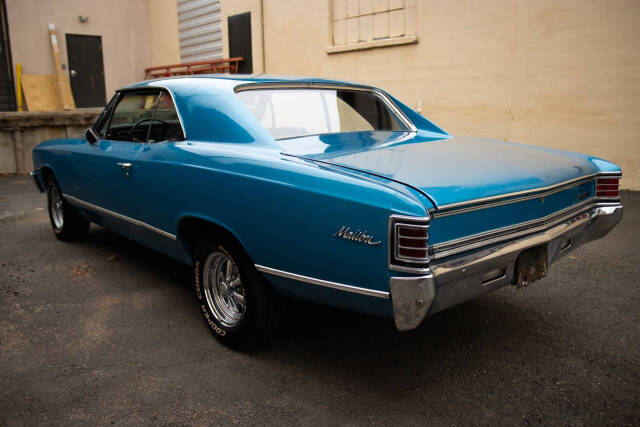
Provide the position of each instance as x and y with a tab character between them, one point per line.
21	132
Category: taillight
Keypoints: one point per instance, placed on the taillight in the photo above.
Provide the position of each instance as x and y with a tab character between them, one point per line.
409	242
607	187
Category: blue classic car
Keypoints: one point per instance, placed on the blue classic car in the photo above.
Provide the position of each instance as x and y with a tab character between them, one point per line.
319	190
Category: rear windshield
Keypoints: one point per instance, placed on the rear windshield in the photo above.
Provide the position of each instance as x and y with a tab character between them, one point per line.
290	113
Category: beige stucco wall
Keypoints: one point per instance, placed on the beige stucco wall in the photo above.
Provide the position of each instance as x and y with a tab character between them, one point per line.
135	34
559	74
165	39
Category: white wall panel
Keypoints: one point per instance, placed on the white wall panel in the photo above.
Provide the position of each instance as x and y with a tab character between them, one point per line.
200	27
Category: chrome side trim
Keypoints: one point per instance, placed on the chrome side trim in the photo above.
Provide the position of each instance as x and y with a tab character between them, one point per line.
312	85
515	194
561	187
497	235
88	205
325	283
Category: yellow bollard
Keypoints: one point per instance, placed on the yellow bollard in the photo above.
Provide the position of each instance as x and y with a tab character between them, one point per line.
19	86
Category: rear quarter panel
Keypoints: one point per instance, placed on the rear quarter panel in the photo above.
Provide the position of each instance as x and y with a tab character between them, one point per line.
283	211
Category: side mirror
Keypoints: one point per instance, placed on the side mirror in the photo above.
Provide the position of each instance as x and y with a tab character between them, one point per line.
91	136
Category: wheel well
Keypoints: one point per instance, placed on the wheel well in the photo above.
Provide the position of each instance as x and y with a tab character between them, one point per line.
191	230
45	173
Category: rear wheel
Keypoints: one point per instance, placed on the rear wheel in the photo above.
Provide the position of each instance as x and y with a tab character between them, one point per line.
240	308
66	222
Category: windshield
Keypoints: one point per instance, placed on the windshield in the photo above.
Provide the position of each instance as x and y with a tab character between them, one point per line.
290	113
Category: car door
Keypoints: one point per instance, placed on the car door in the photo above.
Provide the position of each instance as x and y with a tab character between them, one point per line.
159	164
108	165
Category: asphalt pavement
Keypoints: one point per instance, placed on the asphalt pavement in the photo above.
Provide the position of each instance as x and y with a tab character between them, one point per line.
108	332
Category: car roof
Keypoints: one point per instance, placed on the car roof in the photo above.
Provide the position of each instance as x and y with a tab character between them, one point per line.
238	79
203	99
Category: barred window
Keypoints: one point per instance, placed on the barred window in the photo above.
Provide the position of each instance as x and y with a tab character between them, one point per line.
365	24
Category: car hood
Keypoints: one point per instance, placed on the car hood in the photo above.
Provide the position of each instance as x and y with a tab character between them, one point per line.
449	170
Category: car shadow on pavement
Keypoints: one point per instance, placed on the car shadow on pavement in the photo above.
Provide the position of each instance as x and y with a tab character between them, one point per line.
146	262
340	344
466	338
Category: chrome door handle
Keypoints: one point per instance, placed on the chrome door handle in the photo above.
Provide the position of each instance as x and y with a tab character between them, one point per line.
126	167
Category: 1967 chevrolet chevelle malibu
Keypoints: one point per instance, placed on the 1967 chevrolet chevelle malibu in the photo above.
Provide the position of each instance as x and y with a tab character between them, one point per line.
319	190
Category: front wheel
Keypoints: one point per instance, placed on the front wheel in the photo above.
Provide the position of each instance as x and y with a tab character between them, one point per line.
66	222
240	308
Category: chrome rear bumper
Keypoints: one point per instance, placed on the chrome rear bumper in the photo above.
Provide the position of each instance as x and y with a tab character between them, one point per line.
458	278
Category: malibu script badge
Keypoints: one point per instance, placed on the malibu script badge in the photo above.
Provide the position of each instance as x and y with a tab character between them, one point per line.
356	236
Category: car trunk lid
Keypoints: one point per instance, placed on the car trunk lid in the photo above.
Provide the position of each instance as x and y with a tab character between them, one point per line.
451	170
457	173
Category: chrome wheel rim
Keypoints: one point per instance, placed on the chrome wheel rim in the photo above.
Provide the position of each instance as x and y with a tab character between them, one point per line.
55	208
223	289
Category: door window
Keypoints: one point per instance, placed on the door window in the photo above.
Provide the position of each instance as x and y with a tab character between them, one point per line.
100	127
132	116
166	123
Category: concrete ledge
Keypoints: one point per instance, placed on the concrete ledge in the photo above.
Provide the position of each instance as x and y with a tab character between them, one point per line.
19	120
21	131
373	44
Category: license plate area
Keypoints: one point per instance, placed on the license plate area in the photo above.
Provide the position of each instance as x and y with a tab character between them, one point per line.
531	265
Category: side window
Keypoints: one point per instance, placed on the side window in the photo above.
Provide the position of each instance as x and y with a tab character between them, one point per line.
166	123
100	126
132	116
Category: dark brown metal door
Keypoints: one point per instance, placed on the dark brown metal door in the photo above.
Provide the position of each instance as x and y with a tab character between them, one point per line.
7	93
86	70
240	41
